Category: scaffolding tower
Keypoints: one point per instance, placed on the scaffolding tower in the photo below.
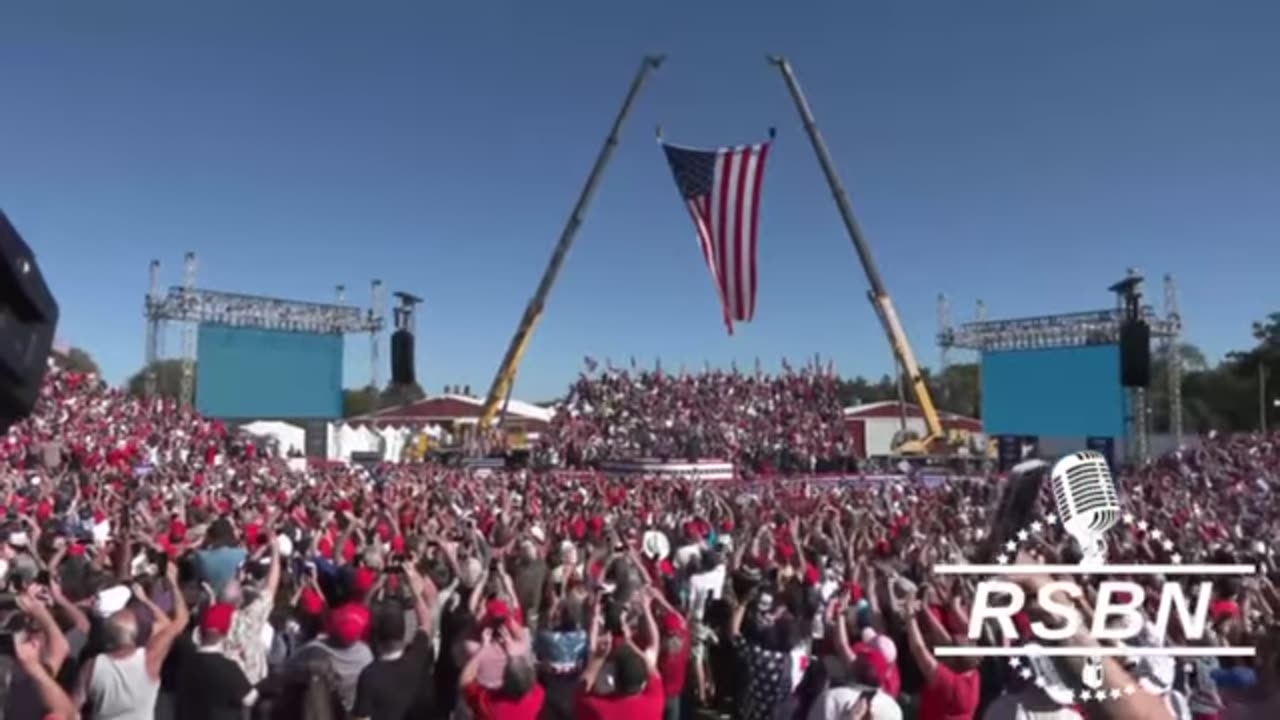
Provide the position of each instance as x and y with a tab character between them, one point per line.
189	306
1094	327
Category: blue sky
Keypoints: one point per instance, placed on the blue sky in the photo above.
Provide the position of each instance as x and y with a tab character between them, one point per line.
1023	153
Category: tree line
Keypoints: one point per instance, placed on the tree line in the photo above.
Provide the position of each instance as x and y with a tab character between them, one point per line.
1234	395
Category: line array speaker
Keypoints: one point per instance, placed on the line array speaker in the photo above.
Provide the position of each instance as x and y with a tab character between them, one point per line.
1135	354
402	372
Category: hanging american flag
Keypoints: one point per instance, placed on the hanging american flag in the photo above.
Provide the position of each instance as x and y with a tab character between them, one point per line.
721	189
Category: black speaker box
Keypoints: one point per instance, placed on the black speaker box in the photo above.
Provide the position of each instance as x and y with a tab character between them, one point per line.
1135	354
402	372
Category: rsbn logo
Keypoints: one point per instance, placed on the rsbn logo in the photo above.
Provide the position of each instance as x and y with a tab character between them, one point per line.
1116	626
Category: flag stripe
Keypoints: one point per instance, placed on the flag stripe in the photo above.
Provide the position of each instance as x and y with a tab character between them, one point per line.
756	182
721	189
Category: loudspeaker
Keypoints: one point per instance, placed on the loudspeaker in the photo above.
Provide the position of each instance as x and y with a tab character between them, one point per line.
28	318
402	372
1135	354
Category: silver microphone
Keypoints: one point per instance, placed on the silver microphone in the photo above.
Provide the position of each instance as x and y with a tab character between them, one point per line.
1085	496
1086	499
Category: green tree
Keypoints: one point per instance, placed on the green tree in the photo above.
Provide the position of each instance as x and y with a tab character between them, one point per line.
80	361
397	395
359	401
958	390
168	379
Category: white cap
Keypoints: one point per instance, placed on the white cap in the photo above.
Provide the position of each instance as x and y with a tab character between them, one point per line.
656	545
112	600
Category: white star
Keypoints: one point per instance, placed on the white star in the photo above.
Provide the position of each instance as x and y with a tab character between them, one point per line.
1023	535
1025	673
1036	527
1167	545
1011	546
1129	690
1040	682
1128	518
1015	662
1142	525
1157	534
1177	559
1115	693
1051	519
1003	559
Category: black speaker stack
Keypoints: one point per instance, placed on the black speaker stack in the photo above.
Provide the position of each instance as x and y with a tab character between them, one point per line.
1135	354
402	372
1135	333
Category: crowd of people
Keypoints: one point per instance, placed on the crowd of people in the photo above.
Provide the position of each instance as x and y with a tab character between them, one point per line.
156	564
793	421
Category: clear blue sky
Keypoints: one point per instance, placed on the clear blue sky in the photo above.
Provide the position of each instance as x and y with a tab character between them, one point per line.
1020	152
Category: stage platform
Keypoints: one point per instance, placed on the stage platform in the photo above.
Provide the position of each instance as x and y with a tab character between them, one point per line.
711	470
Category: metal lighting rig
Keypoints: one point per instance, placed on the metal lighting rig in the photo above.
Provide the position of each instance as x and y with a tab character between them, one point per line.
1095	327
190	306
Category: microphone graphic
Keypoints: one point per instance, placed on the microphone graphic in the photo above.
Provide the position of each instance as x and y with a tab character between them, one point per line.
1085	496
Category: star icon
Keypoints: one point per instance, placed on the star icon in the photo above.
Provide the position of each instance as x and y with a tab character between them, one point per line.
1002	559
1143	525
1157	534
1128	518
1115	693
1167	545
1036	527
1011	546
1040	681
1129	690
1177	559
1023	535
1015	663
1051	519
1025	673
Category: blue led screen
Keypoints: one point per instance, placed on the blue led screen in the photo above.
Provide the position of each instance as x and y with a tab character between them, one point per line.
248	373
1053	392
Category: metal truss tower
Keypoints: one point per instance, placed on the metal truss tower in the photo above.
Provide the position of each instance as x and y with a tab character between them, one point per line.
190	306
154	339
1173	356
187	394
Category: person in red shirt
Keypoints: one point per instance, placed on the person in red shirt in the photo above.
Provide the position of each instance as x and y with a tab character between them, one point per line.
637	684
673	654
519	698
952	688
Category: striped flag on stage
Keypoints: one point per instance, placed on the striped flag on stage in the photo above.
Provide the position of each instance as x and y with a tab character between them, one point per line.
721	189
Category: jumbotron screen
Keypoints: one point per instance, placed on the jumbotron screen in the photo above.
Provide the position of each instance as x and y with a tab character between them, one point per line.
250	374
1070	392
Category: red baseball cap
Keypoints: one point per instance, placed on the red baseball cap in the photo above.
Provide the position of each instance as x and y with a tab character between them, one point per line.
348	623
497	610
217	619
364	580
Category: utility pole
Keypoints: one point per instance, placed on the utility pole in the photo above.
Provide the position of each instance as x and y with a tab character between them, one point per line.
1262	395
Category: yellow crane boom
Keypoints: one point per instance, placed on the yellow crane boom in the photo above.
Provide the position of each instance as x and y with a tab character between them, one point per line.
505	378
879	295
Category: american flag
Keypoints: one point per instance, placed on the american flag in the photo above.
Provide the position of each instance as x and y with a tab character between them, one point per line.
721	188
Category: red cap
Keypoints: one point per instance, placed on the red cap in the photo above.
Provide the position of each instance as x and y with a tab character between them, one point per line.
311	602
497	610
217	619
365	579
347	624
672	623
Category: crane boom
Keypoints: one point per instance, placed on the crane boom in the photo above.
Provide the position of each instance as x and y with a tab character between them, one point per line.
879	296
505	377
